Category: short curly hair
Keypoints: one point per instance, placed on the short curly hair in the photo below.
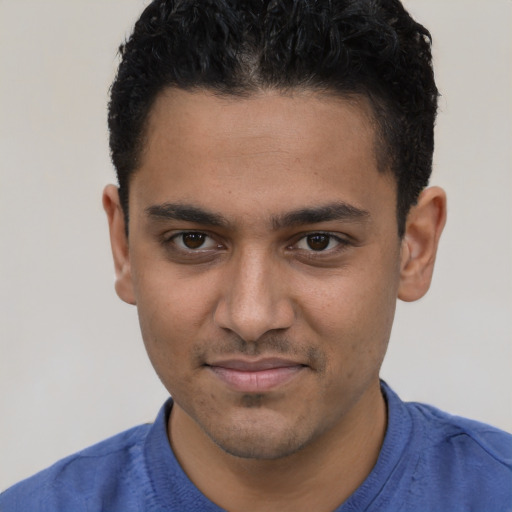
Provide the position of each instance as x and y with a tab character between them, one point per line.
370	48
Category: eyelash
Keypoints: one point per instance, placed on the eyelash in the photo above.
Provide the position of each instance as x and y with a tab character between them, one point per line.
173	239
341	243
328	237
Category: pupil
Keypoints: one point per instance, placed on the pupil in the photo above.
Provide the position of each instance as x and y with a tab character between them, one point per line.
193	240
318	242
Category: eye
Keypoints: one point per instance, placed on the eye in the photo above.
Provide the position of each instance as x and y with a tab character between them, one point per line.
318	242
193	240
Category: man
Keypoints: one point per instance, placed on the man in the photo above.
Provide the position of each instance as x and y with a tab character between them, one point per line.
273	159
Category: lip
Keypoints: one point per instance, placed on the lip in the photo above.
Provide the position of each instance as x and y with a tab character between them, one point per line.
255	376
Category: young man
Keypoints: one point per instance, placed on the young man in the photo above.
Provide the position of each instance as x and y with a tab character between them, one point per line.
273	159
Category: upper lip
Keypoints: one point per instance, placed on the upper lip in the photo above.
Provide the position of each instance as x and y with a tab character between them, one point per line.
247	365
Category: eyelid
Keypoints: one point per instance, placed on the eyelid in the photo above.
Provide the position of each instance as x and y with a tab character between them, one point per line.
170	238
341	242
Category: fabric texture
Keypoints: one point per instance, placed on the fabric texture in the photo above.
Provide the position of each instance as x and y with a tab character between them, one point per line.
429	461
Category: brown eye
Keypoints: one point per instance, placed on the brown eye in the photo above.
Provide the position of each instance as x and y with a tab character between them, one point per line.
318	241
193	244
193	240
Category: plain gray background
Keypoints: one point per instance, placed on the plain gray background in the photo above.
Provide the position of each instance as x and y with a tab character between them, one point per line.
72	365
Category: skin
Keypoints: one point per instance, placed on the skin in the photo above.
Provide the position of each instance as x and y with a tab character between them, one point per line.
262	234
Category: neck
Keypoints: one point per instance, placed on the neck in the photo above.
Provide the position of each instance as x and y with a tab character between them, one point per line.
319	477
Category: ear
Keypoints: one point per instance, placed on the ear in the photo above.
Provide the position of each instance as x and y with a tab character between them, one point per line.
424	225
119	244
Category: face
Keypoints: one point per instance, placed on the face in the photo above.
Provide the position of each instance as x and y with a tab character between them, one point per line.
264	260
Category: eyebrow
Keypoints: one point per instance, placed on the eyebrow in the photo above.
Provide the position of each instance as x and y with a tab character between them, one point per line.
313	215
333	211
186	213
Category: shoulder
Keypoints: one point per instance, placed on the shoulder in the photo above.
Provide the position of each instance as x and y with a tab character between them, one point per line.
447	429
71	483
464	459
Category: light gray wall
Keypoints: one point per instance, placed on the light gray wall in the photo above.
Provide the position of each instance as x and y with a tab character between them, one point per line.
72	366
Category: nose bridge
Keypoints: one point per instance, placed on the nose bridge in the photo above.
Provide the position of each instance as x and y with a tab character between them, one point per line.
254	300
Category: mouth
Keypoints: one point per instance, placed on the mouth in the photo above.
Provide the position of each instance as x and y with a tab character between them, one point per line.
255	376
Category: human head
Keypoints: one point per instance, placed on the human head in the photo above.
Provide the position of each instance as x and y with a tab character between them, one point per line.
234	187
369	48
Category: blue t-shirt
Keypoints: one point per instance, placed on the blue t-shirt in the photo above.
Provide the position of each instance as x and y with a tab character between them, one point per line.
429	461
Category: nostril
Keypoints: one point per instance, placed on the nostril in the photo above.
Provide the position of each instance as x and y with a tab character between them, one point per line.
250	323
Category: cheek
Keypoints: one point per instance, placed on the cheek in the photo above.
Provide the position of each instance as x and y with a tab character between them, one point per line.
171	297
353	305
172	314
352	314
168	332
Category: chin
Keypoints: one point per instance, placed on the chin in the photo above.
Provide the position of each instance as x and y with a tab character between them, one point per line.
259	449
254	440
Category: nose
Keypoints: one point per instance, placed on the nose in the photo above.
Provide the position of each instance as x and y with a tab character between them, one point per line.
254	299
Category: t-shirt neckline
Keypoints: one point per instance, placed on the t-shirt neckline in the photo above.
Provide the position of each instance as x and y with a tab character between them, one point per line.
171	489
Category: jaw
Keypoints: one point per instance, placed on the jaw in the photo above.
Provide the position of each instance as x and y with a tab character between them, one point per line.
276	424
255	465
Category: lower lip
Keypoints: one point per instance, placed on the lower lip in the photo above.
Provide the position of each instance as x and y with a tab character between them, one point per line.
256	381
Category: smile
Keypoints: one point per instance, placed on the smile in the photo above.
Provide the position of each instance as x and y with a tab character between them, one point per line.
255	376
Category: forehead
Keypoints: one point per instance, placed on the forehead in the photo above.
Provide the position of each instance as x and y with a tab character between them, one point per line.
203	117
293	148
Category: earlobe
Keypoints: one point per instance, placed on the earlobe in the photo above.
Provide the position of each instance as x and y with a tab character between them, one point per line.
119	244
423	229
